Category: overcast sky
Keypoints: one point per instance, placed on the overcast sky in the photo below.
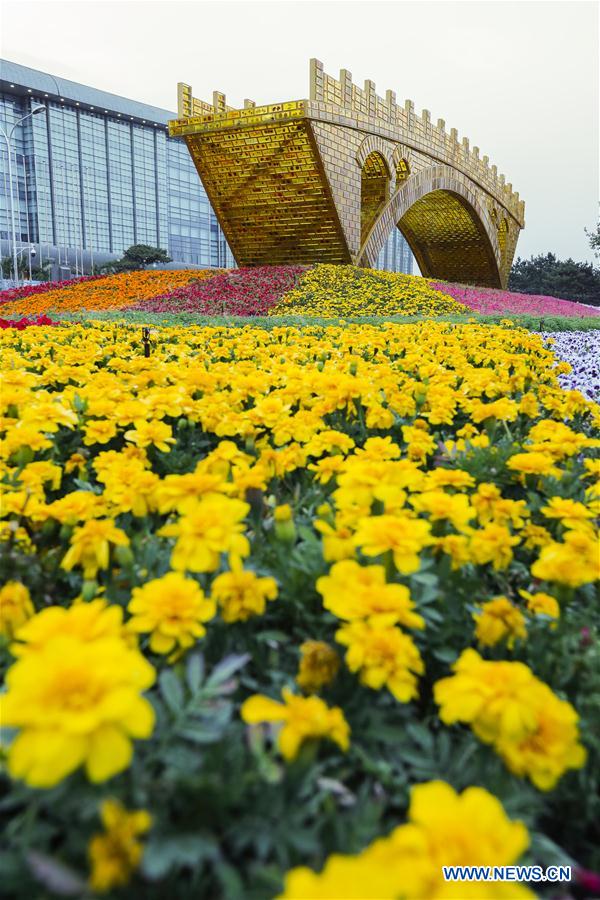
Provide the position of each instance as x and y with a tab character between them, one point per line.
519	79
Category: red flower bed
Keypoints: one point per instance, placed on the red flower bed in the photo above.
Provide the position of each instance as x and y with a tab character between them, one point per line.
29	290
237	292
20	324
493	302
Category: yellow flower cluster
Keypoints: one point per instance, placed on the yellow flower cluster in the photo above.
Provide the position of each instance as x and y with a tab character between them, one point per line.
377	649
333	291
443	829
534	731
302	719
116	852
75	695
394	451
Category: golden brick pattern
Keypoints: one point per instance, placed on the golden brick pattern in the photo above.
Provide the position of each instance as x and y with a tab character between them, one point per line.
327	179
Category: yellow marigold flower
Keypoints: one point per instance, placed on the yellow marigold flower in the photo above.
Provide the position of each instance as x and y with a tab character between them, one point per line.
171	609
25	435
493	544
319	664
541	604
503	409
551	748
456	546
404	536
76	507
76	462
384	656
535	536
533	463
444	829
592	468
116	852
90	546
154	432
76	702
533	731
420	444
211	527
574	562
285	528
570	513
303	718
282	513
84	621
15	607
338	542
352	591
379	448
241	594
36	474
99	431
440	506
513	512
499	620
557	439
442	478
327	468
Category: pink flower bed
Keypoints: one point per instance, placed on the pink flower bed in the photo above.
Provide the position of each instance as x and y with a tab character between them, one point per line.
20	324
237	292
29	290
493	302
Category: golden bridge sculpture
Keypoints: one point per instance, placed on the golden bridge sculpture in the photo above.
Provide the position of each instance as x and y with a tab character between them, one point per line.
327	179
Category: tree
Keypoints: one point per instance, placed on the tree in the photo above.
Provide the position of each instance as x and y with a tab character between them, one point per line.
567	279
37	273
594	239
135	257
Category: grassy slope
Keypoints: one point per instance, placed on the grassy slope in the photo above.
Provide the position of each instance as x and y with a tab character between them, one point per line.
533	323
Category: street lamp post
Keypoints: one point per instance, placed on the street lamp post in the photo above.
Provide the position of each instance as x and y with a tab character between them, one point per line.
7	137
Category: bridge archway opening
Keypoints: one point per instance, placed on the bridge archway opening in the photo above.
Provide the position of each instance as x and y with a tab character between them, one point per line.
374	190
402	171
448	240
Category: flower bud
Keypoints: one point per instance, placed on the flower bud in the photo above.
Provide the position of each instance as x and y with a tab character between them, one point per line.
284	523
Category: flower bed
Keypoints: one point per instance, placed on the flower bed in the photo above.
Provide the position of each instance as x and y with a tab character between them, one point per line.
30	290
20	324
237	292
107	292
492	302
581	350
298	612
328	290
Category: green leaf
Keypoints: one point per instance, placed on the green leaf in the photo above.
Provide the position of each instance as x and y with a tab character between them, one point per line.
194	671
54	875
165	853
199	734
226	668
171	690
421	735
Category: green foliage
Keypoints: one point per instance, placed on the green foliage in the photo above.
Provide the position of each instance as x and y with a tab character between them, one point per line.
533	323
594	240
136	257
549	276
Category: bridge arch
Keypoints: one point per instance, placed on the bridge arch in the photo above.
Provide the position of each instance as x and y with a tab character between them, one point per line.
375	180
446	224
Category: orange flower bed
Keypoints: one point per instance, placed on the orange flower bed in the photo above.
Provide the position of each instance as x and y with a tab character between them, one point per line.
111	292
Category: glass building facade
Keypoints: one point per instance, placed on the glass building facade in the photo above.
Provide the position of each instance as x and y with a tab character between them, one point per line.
396	255
97	173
